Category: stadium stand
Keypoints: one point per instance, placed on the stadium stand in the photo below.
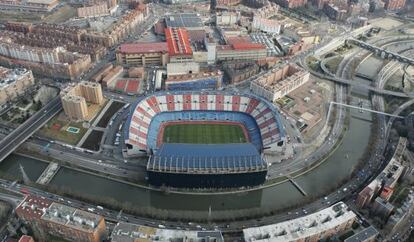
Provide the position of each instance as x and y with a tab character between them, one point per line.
228	165
204	165
149	112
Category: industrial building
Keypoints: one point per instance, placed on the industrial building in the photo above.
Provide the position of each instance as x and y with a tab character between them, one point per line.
128	232
14	82
29	5
190	21
74	98
240	49
178	44
195	81
60	220
317	226
143	54
279	82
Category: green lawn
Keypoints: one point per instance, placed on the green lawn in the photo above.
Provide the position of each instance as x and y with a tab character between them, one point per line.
204	134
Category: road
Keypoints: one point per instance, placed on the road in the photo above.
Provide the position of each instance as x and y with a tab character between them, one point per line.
29	127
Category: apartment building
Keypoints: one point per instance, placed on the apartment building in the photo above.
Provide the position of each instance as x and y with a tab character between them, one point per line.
75	97
13	82
279	82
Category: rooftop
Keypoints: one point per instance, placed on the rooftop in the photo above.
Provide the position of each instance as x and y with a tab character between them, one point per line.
42	1
26	238
139	48
33	207
303	227
178	42
206	156
127	232
176	78
10	76
363	235
280	77
184	20
69	216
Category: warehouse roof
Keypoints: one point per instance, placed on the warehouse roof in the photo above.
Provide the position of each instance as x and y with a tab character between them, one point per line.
186	20
137	48
178	42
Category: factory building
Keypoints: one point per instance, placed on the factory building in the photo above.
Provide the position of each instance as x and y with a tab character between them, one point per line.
178	44
74	98
60	220
189	21
14	82
279	82
318	226
143	54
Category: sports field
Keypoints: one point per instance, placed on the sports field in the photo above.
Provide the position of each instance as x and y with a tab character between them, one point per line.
204	133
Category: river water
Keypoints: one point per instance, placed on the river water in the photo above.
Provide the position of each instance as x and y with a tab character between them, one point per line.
336	168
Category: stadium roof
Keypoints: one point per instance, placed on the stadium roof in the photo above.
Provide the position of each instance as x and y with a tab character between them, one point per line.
185	20
206	157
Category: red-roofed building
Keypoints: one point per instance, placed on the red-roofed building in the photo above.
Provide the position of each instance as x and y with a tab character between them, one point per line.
26	238
47	217
31	209
241	48
154	53
386	193
178	44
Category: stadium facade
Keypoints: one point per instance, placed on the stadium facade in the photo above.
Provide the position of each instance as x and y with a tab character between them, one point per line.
204	165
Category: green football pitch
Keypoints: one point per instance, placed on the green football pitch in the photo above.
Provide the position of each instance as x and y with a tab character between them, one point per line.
204	134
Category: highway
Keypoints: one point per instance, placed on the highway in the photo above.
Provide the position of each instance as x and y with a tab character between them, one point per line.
388	54
29	127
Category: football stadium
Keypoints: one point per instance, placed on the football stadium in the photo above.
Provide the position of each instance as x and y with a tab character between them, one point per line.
204	139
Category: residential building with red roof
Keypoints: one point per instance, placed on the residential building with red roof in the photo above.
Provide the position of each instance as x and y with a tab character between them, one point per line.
60	220
143	54
26	238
